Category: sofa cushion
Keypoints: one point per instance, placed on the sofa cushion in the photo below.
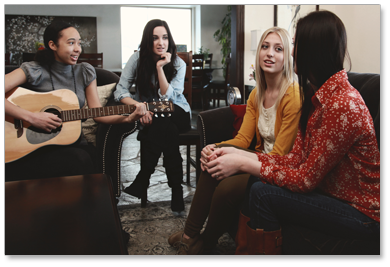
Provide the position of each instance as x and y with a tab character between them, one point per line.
90	126
239	112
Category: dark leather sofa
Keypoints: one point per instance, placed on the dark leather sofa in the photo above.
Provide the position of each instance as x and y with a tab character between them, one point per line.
107	142
217	125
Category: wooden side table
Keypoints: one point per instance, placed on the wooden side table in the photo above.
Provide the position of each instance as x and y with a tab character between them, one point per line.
73	215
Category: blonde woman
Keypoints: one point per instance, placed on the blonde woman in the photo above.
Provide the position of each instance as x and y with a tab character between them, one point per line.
272	114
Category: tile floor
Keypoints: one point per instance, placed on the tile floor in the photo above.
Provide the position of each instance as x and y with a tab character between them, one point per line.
158	189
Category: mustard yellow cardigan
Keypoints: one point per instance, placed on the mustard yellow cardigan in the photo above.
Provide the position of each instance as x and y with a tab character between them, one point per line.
286	123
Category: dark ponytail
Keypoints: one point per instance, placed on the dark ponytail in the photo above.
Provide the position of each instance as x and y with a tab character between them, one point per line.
52	33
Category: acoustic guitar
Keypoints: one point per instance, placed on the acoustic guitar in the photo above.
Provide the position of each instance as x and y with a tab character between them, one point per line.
21	138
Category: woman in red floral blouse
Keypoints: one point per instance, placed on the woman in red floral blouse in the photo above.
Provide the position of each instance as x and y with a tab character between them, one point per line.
330	181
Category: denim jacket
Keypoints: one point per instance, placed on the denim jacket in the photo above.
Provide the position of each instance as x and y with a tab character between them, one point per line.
175	89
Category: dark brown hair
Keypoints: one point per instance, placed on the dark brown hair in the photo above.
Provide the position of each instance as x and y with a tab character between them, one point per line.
147	64
319	52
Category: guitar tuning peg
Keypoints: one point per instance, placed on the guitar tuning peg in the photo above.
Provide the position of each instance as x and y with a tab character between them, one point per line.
169	114
162	115
156	115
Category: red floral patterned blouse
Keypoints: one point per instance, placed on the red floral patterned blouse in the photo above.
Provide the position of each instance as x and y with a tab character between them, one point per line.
339	154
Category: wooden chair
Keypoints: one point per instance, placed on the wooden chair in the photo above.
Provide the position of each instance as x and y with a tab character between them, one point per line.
187	57
8	58
199	84
197	79
198	61
209	60
191	137
95	59
219	87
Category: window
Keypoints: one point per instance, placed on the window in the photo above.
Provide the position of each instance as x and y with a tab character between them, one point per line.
134	19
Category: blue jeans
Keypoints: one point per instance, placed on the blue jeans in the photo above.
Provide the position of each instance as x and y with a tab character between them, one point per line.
270	206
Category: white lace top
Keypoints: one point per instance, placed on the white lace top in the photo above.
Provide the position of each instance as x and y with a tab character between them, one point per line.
266	126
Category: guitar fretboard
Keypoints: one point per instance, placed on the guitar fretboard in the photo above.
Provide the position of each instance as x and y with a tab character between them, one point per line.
81	114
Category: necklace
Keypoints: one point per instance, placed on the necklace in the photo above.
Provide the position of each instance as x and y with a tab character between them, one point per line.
74	80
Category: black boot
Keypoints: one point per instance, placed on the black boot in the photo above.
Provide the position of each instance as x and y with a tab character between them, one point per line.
177	202
174	170
139	185
150	154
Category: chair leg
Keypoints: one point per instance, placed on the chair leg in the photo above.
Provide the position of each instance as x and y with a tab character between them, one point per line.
188	163
144	199
218	96
214	98
197	162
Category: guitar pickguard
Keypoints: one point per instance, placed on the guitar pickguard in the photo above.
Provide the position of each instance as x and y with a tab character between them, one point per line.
37	136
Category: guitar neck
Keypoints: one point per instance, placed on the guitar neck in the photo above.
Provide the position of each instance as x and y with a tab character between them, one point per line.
81	114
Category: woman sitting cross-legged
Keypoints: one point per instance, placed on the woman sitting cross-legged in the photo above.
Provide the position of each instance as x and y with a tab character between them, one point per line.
330	181
272	115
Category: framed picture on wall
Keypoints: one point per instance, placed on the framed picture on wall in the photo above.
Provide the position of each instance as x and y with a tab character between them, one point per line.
181	48
24	33
287	16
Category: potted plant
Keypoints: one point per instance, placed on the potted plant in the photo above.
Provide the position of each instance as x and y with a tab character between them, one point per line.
223	37
205	52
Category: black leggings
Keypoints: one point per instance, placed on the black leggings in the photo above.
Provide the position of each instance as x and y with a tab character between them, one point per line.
53	161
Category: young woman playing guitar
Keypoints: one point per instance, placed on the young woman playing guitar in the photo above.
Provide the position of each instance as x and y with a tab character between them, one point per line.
55	68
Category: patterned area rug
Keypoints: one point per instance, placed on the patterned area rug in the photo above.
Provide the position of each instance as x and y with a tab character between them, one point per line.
150	227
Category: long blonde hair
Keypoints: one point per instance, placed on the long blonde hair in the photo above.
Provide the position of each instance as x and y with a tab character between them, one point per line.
288	75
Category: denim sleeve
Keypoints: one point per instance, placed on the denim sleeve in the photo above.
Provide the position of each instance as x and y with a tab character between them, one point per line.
127	79
176	86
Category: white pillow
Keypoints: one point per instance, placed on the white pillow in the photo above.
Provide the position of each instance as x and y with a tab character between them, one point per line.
89	126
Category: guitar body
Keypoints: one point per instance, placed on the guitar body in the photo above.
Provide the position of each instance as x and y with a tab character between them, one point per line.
21	138
20	142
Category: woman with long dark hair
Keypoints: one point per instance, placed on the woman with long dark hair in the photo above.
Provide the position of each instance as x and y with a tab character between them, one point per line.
55	68
330	181
158	73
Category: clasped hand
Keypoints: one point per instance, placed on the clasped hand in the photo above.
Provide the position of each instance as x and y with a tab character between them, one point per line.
220	162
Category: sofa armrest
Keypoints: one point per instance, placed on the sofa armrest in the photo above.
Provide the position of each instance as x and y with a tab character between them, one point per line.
215	125
368	85
109	141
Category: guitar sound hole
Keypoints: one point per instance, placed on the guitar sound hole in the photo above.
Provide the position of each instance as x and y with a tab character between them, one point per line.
54	111
37	136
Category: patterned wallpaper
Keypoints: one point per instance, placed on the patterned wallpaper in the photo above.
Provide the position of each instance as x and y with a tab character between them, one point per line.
22	31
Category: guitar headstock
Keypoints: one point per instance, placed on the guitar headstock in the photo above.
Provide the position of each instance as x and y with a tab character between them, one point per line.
161	106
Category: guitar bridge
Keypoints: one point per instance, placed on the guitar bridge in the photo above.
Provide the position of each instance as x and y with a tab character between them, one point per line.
19	127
